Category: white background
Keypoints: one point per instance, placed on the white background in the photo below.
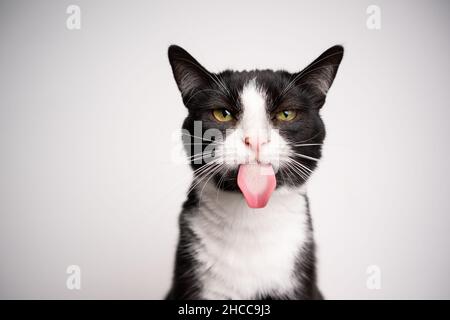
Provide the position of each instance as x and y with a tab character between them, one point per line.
86	123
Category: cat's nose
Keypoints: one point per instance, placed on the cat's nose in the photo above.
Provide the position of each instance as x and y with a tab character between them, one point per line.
255	143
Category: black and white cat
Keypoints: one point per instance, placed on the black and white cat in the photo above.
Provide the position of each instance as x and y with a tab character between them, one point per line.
245	228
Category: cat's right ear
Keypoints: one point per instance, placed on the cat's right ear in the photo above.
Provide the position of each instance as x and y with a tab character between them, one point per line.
189	75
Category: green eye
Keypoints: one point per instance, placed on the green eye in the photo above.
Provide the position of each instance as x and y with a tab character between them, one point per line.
222	115
286	115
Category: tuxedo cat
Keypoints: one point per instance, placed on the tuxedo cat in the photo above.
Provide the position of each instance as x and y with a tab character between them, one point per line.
253	138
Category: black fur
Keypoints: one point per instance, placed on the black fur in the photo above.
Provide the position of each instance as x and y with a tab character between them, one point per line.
201	92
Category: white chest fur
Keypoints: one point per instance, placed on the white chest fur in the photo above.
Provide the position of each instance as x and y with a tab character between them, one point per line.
244	252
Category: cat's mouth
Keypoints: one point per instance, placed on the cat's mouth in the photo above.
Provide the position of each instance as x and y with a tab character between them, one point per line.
257	182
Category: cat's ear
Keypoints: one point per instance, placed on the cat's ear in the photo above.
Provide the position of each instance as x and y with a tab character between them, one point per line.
319	74
188	73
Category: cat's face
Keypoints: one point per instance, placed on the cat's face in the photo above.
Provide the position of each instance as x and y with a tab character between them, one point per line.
270	118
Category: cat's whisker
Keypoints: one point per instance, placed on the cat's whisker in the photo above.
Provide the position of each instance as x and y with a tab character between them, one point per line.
203	155
299	166
307	144
209	155
213	173
204	166
295	171
199	177
216	160
309	139
205	174
304	175
285	175
306	157
221	180
196	171
200	143
201	138
299	163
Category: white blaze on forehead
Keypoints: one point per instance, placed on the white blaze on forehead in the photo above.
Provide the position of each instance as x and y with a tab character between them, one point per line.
254	119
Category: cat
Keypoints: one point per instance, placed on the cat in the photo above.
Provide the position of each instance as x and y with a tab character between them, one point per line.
245	227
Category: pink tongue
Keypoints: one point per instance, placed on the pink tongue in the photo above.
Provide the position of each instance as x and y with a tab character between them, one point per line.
257	183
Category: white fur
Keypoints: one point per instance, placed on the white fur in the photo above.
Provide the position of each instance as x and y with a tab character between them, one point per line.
245	252
254	119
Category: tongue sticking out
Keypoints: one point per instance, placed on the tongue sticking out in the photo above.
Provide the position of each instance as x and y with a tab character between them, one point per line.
257	183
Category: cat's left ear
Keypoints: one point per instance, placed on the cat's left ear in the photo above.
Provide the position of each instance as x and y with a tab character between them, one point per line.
320	74
189	74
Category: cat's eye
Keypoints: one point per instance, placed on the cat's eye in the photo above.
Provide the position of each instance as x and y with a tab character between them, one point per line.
222	115
286	115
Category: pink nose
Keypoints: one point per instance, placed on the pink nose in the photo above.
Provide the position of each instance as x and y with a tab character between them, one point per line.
254	143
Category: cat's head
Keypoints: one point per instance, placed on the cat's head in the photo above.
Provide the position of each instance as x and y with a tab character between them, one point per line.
241	124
